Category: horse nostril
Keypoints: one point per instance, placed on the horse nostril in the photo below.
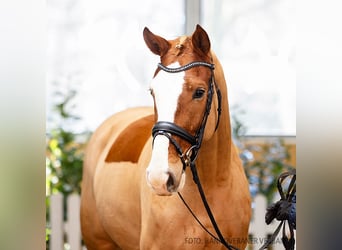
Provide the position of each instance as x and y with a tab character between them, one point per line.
170	184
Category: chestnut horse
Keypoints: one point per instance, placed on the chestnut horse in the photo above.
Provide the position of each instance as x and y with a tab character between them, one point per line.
130	178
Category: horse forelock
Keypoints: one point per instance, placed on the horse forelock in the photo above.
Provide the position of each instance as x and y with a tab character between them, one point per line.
183	51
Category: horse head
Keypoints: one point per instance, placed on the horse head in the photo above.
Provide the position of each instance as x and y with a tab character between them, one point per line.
182	89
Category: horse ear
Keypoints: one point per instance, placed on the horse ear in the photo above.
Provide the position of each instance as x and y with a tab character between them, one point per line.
200	40
156	44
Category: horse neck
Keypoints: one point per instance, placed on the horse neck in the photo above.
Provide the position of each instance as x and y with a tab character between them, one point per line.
215	156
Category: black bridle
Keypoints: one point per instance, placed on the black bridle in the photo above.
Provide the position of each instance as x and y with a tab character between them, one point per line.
169	128
188	158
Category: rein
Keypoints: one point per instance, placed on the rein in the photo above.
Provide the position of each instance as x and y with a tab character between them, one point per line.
189	157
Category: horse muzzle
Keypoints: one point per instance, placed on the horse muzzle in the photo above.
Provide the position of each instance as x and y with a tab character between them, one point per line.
164	183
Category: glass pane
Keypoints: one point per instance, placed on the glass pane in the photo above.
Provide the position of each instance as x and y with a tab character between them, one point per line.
97	49
254	40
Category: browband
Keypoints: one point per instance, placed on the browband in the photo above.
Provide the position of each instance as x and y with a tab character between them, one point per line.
186	67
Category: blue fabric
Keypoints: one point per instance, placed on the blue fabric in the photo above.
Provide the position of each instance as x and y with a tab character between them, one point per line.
292	212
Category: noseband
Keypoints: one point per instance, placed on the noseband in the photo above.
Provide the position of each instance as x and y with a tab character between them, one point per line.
168	129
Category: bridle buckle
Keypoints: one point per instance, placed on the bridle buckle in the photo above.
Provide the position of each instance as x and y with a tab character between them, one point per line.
186	156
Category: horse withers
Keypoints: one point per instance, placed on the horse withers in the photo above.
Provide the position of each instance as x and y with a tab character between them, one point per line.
130	178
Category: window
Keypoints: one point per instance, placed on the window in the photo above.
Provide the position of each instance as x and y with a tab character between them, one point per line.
254	40
97	48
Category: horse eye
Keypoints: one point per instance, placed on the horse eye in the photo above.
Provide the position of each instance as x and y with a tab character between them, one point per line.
198	93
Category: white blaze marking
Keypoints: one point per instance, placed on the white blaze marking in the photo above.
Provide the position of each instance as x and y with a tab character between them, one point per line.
167	88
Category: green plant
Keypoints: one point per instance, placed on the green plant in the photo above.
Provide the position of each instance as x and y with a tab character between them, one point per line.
64	157
267	164
263	162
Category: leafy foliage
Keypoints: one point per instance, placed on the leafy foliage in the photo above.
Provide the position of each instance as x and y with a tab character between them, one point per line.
263	162
64	156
